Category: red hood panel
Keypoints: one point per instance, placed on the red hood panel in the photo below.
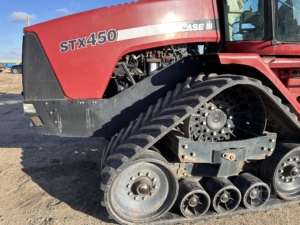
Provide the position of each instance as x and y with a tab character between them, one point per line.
84	48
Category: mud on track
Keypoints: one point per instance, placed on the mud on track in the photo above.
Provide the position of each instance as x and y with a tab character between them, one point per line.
52	180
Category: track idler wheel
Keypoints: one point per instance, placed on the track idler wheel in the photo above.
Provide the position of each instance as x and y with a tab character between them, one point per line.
224	195
255	193
144	190
282	170
193	200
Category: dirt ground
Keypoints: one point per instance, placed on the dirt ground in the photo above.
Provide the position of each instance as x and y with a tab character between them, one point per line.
50	180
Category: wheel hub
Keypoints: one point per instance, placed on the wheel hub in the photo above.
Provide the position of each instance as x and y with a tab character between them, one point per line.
225	197
142	186
193	202
254	194
216	119
291	171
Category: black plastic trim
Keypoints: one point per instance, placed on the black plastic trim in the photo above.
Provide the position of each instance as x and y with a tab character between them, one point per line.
39	80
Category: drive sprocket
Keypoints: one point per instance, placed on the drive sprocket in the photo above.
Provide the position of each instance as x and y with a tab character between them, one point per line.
233	114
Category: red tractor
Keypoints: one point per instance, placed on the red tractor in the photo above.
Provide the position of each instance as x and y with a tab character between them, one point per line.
210	129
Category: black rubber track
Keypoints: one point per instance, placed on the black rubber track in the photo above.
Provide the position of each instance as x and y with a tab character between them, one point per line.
178	104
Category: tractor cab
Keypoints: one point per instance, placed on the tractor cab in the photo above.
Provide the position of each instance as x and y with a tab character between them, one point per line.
258	26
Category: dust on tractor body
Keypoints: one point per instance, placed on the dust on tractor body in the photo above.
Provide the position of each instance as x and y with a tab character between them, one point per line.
206	133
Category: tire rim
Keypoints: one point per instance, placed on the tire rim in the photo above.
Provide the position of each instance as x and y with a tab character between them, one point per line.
144	190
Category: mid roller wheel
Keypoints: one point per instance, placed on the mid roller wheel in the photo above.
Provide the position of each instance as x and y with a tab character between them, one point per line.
143	191
282	170
193	200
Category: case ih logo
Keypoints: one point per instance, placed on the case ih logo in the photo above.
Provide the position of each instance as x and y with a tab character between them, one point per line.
99	38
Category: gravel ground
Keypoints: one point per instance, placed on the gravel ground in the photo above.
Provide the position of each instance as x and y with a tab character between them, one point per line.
51	180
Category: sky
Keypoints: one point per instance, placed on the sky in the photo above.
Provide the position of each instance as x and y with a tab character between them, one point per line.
13	18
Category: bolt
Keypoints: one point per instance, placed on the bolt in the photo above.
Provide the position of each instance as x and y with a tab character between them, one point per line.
155	186
184	174
283	164
206	130
282	177
263	148
184	156
46	103
228	125
293	180
151	194
212	107
131	178
289	159
214	133
144	198
296	159
203	123
128	185
230	117
136	198
148	174
140	174
204	114
222	131
51	112
193	154
272	140
271	149
286	180
55	121
280	171
130	193
185	146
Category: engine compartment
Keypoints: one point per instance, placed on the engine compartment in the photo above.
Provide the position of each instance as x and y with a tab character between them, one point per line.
136	66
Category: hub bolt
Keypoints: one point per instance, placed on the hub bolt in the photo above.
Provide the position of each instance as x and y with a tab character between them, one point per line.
154	179
128	185
184	156
286	180
212	107
272	140
204	114
185	146
144	198
296	159
193	154
129	193
263	148
230	117
280	171
155	186
289	159
282	177
131	178
206	130
293	180
228	125
151	194
136	198
222	131
140	174
214	133
283	164
271	149
148	174
203	123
